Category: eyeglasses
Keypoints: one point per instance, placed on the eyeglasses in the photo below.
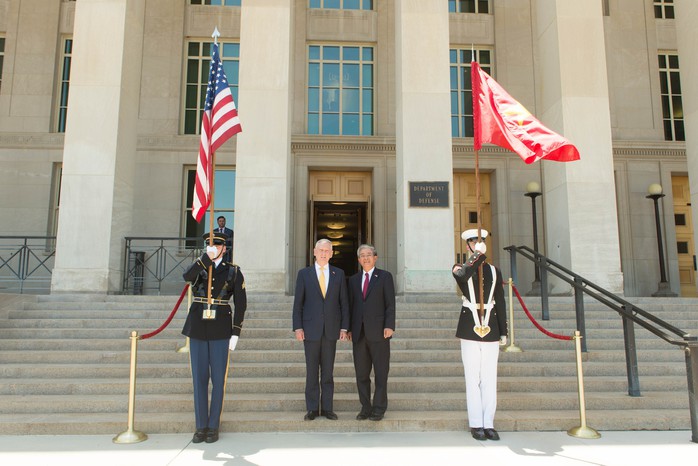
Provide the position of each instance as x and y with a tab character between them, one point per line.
365	256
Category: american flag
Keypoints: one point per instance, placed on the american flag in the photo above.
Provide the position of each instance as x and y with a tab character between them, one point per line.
218	124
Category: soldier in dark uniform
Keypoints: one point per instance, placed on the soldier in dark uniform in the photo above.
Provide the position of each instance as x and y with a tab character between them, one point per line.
480	338
212	331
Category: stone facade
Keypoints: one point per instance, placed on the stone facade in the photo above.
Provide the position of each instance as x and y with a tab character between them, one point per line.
590	75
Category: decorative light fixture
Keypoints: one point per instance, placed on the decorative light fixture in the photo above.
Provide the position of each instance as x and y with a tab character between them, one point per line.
335	235
336	226
533	191
655	193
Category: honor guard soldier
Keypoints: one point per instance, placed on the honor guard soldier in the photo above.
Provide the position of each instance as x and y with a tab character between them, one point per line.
213	329
480	336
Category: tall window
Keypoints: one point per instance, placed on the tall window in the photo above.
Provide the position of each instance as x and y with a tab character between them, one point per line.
55	198
664	9
224	203
468	6
216	2
342	4
66	59
340	90
672	107
2	57
198	63
461	88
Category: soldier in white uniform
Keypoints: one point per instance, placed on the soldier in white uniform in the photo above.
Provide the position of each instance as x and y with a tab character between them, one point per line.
480	337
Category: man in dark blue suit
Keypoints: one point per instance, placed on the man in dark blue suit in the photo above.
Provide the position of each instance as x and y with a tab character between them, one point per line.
229	242
372	304
320	317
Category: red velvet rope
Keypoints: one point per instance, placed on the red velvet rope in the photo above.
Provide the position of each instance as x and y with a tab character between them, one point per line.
538	326
169	319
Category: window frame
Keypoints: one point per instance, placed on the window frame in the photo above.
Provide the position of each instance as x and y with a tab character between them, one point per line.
366	119
663	9
2	57
63	84
231	65
222	2
673	126
461	95
363	5
456	6
190	228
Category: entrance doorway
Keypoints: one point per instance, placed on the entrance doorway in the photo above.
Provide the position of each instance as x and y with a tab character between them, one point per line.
465	211
345	225
340	210
684	235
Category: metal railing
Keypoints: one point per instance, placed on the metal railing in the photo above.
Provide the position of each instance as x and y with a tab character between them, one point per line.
630	314
26	263
154	265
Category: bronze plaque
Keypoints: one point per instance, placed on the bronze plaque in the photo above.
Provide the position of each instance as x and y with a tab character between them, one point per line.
428	193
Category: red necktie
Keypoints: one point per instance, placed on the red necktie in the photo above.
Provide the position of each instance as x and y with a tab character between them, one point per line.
365	290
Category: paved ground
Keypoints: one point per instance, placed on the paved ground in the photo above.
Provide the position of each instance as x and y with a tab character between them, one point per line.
404	449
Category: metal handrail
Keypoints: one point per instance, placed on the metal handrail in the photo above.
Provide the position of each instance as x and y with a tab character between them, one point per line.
150	262
625	308
27	260
630	314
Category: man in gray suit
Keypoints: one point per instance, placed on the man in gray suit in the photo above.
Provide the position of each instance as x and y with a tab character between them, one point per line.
320	317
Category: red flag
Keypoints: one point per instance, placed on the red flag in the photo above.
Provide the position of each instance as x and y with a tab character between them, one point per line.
499	119
218	124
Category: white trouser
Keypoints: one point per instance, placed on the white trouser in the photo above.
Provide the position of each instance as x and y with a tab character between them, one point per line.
480	366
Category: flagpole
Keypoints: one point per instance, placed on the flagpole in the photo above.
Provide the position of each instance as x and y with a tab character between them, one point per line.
212	175
475	88
210	225
481	309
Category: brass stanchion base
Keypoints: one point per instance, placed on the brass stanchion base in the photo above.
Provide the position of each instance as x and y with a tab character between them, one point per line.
583	432
512	349
130	436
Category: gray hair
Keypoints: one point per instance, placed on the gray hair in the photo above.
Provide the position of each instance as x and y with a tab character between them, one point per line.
323	241
366	246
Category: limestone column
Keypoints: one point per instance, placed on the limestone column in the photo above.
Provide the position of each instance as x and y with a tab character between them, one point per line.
572	90
262	192
100	146
686	38
423	144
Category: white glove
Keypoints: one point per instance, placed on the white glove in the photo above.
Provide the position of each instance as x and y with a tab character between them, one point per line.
234	341
211	251
481	247
503	340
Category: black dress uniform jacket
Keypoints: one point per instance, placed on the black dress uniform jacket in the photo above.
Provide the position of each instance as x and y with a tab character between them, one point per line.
227	283
498	319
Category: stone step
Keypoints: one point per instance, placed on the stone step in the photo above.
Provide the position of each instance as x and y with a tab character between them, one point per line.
297	369
172	341
64	364
237	402
120	355
395	421
295	385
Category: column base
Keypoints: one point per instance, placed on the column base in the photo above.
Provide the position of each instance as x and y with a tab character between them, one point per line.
664	291
535	289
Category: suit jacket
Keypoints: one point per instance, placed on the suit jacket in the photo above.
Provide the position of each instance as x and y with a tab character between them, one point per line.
319	316
498	316
230	234
225	324
377	311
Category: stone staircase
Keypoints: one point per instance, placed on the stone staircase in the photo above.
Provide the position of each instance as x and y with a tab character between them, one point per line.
64	368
